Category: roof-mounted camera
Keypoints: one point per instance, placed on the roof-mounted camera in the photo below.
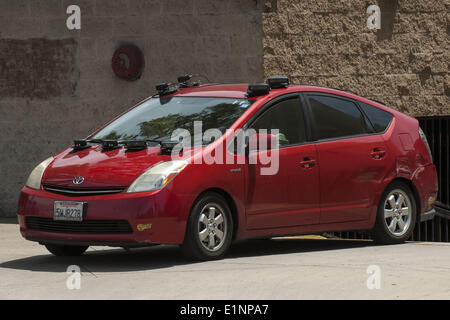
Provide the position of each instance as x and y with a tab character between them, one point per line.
166	88
278	82
257	89
184	78
184	81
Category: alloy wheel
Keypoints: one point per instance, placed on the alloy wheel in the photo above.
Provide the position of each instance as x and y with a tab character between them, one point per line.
212	224
397	212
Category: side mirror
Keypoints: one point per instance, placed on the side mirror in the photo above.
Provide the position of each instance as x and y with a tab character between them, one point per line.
262	141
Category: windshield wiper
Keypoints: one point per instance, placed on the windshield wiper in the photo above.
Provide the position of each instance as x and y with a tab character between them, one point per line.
166	145
94	141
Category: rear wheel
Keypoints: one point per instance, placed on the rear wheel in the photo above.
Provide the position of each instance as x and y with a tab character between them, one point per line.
396	216
209	229
63	250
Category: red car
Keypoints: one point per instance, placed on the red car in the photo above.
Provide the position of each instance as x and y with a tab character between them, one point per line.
248	161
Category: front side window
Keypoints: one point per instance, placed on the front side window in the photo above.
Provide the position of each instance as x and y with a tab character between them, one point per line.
287	117
335	117
158	118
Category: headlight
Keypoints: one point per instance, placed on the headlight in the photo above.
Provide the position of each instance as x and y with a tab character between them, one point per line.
34	180
157	177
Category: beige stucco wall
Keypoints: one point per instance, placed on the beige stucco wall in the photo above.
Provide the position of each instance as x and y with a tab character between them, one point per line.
57	85
327	43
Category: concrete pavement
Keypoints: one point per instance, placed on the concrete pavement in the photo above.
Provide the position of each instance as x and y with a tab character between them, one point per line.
258	269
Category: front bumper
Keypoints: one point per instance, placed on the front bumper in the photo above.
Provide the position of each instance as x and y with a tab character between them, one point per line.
163	210
109	243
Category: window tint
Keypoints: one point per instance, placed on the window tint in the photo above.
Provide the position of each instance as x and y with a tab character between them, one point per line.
380	119
287	117
334	117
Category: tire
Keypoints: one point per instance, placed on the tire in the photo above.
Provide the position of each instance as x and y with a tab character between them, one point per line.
63	250
209	229
391	210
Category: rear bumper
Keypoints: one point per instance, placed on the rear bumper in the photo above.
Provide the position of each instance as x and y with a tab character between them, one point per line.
429	215
162	213
442	209
425	180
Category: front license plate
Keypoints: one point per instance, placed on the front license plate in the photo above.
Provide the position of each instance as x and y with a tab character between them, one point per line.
68	210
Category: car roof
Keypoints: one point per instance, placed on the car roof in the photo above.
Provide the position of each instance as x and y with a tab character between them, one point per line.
214	90
239	90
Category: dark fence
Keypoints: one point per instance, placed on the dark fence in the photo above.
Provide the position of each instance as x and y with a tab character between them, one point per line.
436	230
437	130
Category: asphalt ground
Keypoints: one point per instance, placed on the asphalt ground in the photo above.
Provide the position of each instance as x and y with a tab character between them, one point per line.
282	268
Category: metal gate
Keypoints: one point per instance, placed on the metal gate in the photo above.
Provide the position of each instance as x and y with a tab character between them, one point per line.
437	130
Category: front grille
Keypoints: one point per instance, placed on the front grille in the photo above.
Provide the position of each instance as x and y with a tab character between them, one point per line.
83	192
86	226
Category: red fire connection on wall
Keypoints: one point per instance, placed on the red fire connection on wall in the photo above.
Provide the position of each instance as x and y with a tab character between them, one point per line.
128	62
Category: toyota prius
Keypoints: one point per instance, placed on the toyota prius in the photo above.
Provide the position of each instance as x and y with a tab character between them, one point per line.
202	165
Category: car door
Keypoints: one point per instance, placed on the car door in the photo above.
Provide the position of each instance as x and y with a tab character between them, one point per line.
290	197
352	158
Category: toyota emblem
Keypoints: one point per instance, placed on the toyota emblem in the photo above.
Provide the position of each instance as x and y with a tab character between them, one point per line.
78	180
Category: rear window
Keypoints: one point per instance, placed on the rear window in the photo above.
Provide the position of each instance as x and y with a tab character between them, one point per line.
335	117
380	119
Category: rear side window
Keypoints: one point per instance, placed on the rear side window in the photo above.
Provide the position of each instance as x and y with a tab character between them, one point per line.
334	117
380	119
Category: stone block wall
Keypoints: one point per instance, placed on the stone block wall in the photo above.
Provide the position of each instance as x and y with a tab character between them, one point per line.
327	43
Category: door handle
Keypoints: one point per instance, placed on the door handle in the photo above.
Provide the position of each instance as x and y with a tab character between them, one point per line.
377	153
307	163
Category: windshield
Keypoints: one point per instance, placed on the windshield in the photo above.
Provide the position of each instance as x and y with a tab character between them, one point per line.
158	118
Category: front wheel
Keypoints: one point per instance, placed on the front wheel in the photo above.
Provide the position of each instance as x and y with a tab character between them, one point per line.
63	250
396	216
209	228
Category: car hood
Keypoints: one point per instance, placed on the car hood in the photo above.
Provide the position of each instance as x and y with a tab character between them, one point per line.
114	168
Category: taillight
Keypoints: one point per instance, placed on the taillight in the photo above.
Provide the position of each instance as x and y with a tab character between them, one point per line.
425	141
